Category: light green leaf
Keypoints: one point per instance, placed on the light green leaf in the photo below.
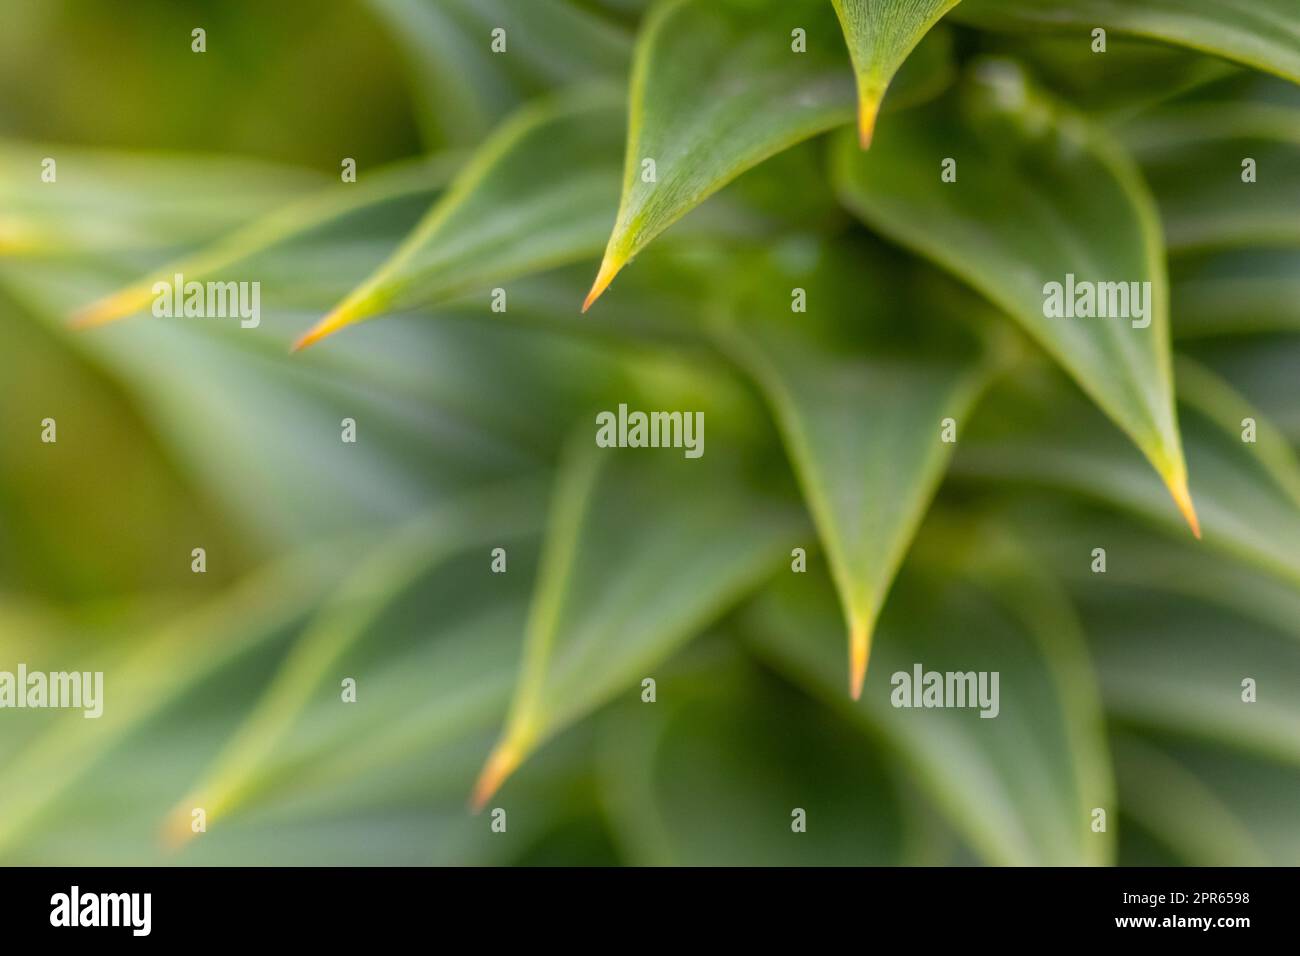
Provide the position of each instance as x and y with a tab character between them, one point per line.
1209	806
464	87
1019	787
281	226
485	518
1238	292
717	87
164	666
1264	34
1134	637
1040	195
1163	598
1062	536
880	35
535	196
1249	492
714	774
1264	369
125	204
1194	157
644	549
1133	76
860	385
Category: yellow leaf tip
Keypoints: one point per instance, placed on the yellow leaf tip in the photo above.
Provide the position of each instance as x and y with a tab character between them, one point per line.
1183	498
325	327
178	828
501	763
868	110
609	267
118	305
859	652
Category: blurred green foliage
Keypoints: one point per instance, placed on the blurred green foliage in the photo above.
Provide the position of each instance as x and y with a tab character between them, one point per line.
372	561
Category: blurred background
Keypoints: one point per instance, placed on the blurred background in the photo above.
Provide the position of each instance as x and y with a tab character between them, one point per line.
328	561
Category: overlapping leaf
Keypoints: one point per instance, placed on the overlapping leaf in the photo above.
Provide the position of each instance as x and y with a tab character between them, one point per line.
1225	174
860	383
1207	806
717	87
1019	786
295	221
497	516
1249	492
880	35
1039	195
125	205
535	196
1264	34
719	771
645	547
465	86
1238	292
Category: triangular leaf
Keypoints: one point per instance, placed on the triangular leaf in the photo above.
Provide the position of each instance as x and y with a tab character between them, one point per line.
641	554
1019	786
281	226
1077	210
535	196
717	87
860	385
880	35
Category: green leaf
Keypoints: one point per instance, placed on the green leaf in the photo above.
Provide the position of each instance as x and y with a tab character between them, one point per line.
1249	492
1133	76
1264	369
428	540
860	394
1019	787
1163	598
1208	806
1194	158
1264	34
644	549
1240	292
535	196
124	204
281	226
1063	534
165	666
464	88
717	87
1040	195
713	774
880	35
1134	638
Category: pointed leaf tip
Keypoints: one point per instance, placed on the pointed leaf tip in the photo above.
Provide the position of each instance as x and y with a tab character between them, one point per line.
110	308
868	110
501	763
859	652
343	316
1183	498
177	829
609	268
